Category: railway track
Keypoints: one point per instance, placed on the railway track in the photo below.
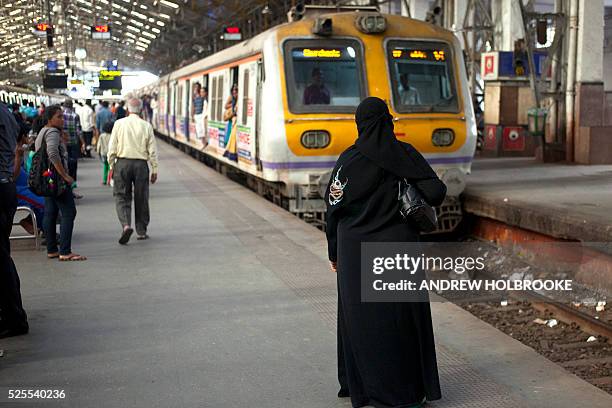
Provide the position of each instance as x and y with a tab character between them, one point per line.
563	335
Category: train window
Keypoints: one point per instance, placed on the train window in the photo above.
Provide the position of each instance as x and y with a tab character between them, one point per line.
245	96
324	76
422	77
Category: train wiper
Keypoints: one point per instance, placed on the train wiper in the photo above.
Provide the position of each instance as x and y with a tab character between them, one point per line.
441	103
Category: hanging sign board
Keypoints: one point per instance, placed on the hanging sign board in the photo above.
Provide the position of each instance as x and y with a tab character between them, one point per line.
101	32
232	33
40	29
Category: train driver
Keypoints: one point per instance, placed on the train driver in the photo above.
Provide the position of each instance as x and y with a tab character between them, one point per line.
316	93
409	95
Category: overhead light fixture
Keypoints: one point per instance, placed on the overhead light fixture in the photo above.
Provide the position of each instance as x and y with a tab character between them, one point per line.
80	53
169	4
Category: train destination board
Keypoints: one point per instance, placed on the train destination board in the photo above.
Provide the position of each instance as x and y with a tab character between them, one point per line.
428	55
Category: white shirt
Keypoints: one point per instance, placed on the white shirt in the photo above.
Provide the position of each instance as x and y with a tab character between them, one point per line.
133	138
86	114
410	96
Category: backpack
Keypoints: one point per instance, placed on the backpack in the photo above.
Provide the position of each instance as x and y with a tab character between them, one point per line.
44	180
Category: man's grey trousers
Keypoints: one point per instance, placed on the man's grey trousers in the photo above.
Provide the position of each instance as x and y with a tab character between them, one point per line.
128	175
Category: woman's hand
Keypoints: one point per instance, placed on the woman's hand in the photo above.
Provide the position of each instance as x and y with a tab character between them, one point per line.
69	180
333	266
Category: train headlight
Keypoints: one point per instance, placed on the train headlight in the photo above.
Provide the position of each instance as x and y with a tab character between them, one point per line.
315	139
371	23
443	137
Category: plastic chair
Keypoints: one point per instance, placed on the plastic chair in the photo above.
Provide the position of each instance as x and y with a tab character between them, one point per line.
34	236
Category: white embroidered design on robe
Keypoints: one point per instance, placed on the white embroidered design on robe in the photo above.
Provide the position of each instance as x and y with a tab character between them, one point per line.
336	189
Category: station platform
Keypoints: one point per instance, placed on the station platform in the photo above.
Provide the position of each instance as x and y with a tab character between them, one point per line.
567	202
229	304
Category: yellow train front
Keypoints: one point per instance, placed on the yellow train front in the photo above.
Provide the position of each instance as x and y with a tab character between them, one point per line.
298	87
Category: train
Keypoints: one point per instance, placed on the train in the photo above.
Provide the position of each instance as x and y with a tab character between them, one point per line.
299	84
12	94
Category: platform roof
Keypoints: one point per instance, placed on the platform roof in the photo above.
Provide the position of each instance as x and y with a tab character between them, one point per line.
156	35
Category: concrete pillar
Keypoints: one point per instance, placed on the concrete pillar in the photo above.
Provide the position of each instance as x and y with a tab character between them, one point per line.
589	111
589	66
506	15
418	8
458	19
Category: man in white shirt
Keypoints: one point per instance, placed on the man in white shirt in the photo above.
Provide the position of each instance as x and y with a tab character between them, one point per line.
86	115
131	148
408	94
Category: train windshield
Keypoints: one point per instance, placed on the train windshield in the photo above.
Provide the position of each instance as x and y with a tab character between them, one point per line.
324	76
422	77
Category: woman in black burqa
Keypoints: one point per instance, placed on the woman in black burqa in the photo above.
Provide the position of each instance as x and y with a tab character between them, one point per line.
386	351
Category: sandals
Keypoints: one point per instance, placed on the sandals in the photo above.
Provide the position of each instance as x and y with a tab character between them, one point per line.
53	255
72	257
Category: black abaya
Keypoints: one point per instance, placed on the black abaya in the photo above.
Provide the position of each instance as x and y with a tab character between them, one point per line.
386	351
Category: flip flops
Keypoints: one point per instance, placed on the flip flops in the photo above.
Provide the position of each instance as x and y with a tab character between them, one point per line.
72	258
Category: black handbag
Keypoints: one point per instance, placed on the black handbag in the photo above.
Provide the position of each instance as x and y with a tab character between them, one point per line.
414	208
44	180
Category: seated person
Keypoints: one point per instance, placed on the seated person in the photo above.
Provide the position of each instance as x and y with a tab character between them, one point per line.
408	95
25	197
316	93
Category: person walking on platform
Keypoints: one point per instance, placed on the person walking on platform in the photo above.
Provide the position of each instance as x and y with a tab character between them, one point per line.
102	116
386	351
76	143
120	111
102	149
13	319
86	115
57	152
132	145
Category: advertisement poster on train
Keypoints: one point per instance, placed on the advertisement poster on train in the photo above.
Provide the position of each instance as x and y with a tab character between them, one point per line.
213	134
244	143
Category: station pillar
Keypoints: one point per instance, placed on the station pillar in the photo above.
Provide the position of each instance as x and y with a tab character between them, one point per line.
506	16
588	140
417	9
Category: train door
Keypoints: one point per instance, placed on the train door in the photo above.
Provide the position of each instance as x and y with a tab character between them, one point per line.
257	104
191	85
161	109
218	94
179	109
172	121
187	114
246	113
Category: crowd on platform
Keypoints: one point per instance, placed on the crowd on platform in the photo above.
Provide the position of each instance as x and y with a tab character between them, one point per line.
40	148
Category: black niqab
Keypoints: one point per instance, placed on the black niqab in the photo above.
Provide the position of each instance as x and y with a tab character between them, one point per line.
378	143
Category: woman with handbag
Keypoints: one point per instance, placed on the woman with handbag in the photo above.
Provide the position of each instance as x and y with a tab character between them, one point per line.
229	113
51	145
386	351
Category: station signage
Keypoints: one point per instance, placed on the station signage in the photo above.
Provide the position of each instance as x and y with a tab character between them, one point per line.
101	32
232	33
51	65
496	65
40	29
110	79
107	75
